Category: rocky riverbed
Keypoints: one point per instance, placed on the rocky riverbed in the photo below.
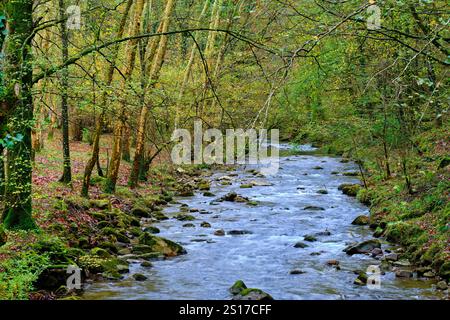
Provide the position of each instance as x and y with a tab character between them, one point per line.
294	235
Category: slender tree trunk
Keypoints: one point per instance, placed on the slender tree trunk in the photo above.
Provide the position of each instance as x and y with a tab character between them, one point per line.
114	166
18	102
67	170
153	77
94	159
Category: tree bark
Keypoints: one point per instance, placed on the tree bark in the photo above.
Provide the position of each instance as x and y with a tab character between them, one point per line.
17	103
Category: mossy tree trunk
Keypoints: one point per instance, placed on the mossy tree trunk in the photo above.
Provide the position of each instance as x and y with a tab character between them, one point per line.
17	105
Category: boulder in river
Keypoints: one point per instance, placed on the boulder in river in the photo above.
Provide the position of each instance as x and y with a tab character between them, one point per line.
188	225
139	277
161	245
361	221
239	232
310	238
363	247
442	285
219	233
361	280
297	272
300	245
401	273
350	189
313	208
205	224
322	191
184	217
240	292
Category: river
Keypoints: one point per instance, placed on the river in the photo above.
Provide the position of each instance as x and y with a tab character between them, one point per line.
265	257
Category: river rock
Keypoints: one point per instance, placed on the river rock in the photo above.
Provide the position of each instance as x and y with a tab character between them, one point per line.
350	189
361	280
300	245
296	272
146	264
219	233
391	257
333	263
363	247
152	229
400	273
325	233
184	217
188	225
361	221
322	191
310	238
205	225
161	245
402	263
139	277
313	208
429	274
237	287
140	212
239	232
208	194
442	285
376	252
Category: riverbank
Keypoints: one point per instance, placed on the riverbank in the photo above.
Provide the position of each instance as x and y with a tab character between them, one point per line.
409	205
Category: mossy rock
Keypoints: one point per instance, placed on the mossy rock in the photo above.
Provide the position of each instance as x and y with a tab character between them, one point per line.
237	287
135	231
365	196
246	186
204	186
208	194
100	204
139	277
350	189
157	244
402	232
109	246
158	215
184	217
253	294
121	237
361	221
310	238
140	212
100	252
152	230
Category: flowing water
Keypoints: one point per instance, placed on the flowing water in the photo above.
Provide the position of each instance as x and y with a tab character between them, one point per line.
264	258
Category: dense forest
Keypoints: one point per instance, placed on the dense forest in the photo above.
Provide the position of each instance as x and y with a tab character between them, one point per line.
92	91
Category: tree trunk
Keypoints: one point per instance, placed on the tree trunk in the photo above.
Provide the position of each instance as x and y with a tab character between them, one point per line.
153	77
18	102
67	170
